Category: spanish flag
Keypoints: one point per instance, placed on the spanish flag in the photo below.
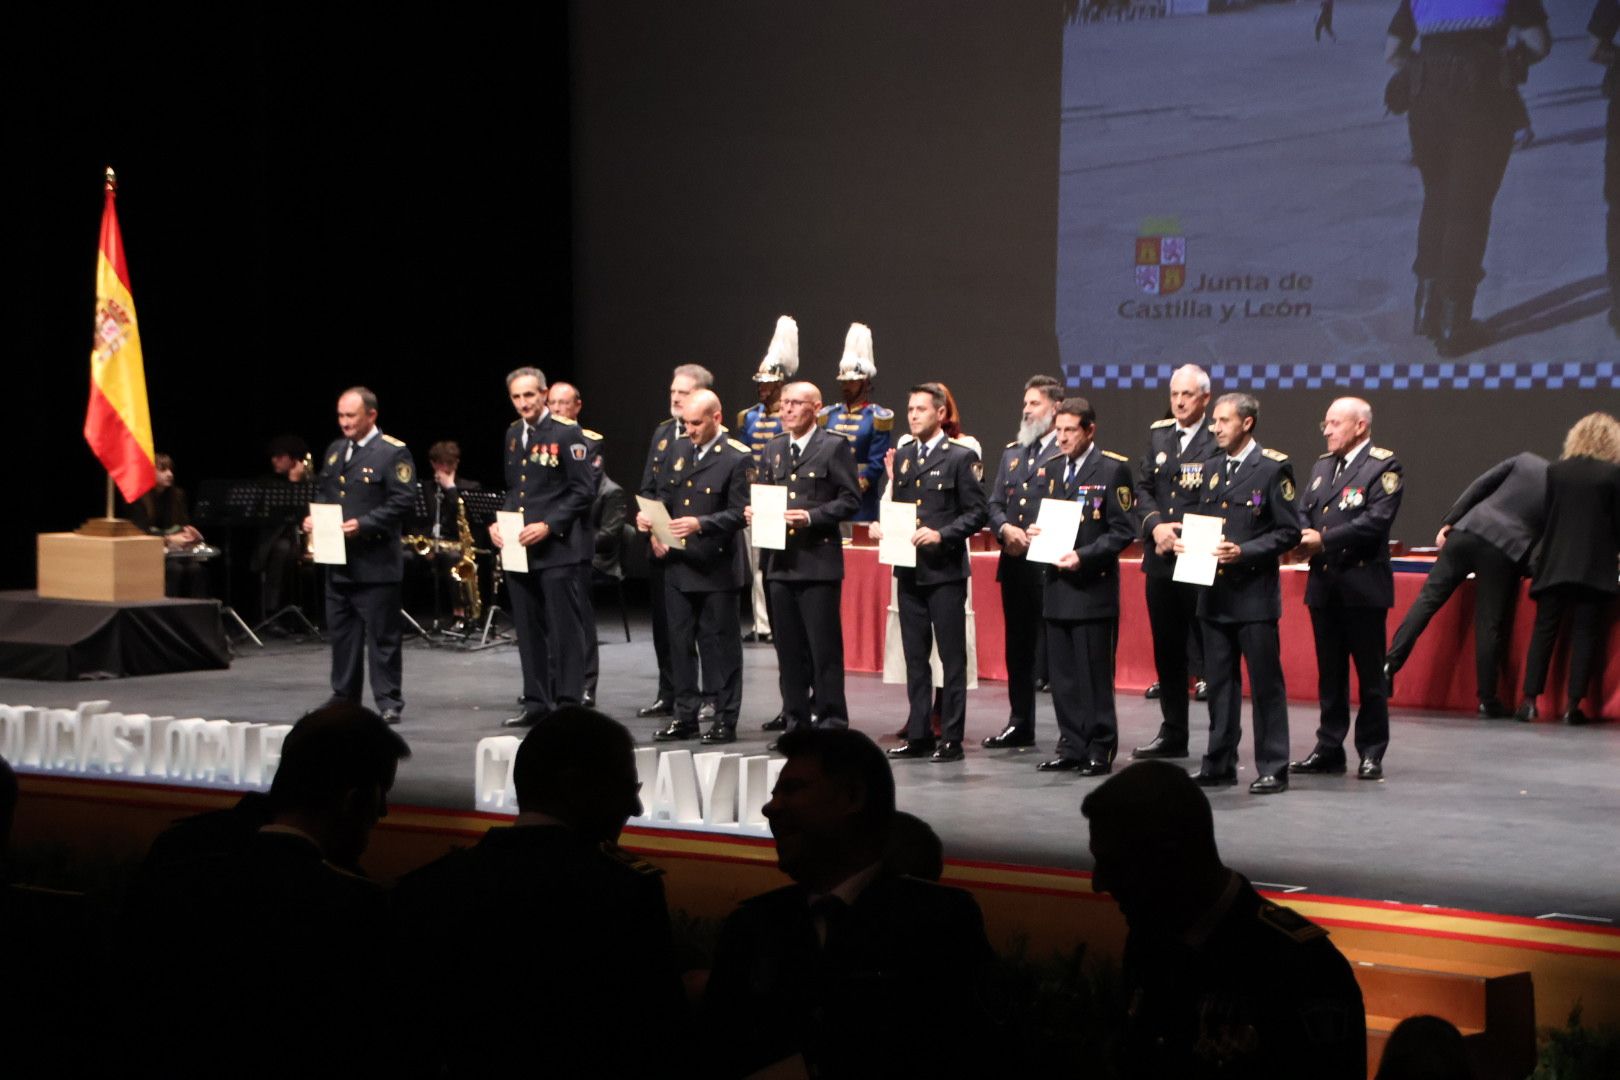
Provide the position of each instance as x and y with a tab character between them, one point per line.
117	425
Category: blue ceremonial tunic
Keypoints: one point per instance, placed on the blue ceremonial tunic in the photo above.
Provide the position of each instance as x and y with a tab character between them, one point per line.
869	430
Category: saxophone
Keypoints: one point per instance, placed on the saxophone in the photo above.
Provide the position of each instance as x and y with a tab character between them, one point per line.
465	571
308	552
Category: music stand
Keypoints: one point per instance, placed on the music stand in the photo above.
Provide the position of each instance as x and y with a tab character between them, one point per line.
227	503
481	507
283	502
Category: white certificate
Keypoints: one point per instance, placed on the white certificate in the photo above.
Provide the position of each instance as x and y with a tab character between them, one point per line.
899	522
770	515
1059	522
660	521
327	519
514	556
1200	535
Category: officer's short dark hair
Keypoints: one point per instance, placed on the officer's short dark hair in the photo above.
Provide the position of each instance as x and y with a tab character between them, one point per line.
1050	387
570	744
933	389
1155	803
331	751
288	446
1080	408
367	398
445	452
1247	405
8	802
847	756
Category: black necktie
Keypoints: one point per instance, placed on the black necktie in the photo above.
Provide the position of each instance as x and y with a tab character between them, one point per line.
922	453
526	430
1231	467
353	446
793	456
1338	468
1068	477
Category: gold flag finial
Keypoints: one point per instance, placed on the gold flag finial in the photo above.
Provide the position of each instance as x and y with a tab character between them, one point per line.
112	179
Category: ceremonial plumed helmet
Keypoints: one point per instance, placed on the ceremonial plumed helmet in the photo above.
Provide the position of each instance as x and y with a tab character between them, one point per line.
782	358
858	362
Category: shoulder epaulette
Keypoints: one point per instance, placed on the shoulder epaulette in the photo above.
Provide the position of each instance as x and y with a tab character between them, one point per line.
629	861
565	420
826	410
908	437
1324	457
881	413
882	419
1380	454
1291	924
1116	457
1012	444
742	417
744	447
1274	455
589	434
1168	421
391	441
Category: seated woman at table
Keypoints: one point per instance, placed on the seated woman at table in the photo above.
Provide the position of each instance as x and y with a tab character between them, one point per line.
1575	572
162	512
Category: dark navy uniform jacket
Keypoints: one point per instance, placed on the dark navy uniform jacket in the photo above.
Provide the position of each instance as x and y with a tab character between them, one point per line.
1168	484
377	487
1257	505
552	481
824	484
715	491
1015	496
869	430
949	497
1107	525
1354	515
658	456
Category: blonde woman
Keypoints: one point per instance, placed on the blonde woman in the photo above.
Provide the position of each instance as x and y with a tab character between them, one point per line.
1575	574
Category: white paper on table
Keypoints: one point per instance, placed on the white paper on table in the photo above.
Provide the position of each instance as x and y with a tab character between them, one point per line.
770	515
1200	535
327	519
1059	522
514	556
660	521
899	522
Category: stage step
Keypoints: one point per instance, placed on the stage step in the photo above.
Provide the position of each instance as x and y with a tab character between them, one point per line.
1493	1007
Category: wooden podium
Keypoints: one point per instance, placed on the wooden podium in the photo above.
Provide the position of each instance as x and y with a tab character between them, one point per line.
111	569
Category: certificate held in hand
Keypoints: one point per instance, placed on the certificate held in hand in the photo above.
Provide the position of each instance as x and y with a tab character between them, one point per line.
514	556
659	515
899	522
769	528
326	521
1200	536
1059	525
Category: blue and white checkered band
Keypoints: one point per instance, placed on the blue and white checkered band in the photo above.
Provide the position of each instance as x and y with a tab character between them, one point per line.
1451	16
1470	375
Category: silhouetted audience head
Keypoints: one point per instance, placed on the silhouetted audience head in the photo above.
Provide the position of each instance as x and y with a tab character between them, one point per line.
579	767
914	848
337	767
1153	841
8	804
832	806
1425	1048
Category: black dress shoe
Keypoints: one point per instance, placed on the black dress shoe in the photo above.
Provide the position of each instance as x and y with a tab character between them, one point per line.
1574	717
1270	785
1043	686
775	723
1152	692
1370	770
719	733
676	730
949	750
773	745
1493	710
912	748
588	700
1009	739
1062	764
659	707
522	720
1200	690
1096	767
1526	712
1318	763
1389	679
391	717
1160	747
1206	779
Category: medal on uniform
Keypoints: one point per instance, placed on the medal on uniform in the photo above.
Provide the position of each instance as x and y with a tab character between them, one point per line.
663	444
1161	458
1352	497
1257	499
680	463
905	466
1192	473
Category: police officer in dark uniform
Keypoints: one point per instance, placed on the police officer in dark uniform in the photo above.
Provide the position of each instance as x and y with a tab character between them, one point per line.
1465	106
805	579
1081	598
563	399
1348	508
549	480
1220	981
1172	480
1603	26
705	491
1015	499
660	459
1252	491
374	479
756	427
868	427
944	478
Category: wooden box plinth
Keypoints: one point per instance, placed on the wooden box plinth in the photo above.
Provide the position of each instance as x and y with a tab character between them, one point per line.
111	569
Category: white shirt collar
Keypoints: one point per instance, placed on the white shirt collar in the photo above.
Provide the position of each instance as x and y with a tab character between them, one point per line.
1243	455
928	447
1044	443
704	449
370	435
1350	455
1189	432
1079	462
801	443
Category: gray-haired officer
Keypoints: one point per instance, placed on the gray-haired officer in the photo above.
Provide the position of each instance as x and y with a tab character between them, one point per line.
549	480
1348	507
372	476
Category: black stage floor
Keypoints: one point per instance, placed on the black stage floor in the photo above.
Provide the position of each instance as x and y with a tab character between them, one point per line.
1486	816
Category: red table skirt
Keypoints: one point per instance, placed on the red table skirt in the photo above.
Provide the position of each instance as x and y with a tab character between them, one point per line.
1438	675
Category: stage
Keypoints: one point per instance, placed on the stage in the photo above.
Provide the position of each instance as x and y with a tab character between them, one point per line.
1494	817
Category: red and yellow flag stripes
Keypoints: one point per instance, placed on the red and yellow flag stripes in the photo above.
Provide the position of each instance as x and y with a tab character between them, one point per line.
117	425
